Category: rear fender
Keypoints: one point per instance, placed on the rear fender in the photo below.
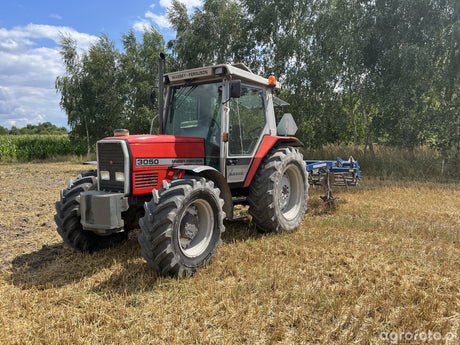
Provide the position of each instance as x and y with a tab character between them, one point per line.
218	179
269	142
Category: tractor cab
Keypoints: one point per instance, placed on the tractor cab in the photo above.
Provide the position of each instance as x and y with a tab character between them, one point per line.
227	106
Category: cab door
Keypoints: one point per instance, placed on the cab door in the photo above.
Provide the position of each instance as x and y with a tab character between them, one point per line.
246	125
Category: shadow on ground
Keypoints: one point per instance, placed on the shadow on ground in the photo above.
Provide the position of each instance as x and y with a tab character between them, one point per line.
57	265
46	255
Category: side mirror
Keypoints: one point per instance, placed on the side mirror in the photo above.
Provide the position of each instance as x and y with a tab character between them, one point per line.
152	98
235	89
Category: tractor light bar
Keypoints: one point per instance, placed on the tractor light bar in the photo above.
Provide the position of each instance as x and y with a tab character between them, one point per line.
105	175
120	176
220	71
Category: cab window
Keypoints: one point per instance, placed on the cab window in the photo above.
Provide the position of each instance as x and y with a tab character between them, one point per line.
246	121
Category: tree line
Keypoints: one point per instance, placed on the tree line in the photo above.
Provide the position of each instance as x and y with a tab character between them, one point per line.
353	71
46	128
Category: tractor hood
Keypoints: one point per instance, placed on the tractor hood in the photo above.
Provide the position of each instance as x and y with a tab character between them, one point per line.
158	139
161	150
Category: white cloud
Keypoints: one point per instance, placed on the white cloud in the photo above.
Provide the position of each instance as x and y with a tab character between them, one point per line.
142	25
159	17
21	105
24	35
161	20
30	63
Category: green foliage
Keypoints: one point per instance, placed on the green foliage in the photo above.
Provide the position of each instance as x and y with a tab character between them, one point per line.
46	128
90	89
31	147
354	72
216	33
104	89
138	64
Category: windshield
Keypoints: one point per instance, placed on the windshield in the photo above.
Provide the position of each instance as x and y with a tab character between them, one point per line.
194	110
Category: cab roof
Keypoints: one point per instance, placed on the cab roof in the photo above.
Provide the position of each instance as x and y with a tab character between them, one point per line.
209	73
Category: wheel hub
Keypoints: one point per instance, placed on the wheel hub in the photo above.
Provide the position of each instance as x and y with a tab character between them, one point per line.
285	191
189	227
196	228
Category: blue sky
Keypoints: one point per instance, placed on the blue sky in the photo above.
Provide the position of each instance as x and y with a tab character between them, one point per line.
29	47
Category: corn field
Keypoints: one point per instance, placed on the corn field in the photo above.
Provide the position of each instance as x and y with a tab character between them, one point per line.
31	147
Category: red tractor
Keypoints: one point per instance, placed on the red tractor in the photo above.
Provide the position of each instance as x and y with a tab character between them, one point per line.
219	146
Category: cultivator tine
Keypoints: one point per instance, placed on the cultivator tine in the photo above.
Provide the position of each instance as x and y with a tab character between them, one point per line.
328	198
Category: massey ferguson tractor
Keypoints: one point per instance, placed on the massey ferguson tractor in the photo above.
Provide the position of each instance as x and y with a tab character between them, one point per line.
219	145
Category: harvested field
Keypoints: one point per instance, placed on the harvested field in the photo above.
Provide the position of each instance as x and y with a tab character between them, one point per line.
381	265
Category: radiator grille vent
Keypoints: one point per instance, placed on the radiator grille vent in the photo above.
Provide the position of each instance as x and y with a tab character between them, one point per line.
146	180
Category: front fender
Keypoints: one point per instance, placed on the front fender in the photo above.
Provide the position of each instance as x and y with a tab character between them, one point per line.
218	179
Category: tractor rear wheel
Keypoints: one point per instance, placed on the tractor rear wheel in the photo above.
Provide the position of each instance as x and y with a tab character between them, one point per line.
279	191
68	218
182	226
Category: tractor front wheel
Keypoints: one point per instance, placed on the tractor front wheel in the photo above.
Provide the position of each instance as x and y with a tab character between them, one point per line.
68	218
279	191
182	226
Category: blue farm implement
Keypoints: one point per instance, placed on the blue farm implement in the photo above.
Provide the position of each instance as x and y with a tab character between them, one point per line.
335	173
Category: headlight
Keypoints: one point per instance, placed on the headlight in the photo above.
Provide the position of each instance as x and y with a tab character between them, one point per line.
105	175
120	176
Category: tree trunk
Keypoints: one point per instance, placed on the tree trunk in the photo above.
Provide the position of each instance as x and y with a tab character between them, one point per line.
366	123
355	132
353	122
87	139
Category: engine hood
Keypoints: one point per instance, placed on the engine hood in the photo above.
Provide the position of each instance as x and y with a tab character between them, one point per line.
159	139
164	150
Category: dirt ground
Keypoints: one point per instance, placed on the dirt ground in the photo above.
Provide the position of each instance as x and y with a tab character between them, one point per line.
383	262
27	196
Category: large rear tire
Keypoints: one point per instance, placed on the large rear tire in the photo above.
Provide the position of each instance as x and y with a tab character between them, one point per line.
68	218
182	226
279	191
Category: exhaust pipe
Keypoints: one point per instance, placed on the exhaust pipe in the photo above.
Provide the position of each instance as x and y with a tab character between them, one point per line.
152	99
161	65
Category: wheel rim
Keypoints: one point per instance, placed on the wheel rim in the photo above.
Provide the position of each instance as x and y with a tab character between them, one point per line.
196	228
290	191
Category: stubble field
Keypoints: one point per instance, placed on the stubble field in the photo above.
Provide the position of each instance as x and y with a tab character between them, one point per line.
381	266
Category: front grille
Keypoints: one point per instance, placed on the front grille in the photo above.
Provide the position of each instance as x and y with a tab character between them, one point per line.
111	159
146	180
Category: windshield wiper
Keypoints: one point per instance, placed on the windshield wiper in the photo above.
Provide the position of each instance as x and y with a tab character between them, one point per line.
181	96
